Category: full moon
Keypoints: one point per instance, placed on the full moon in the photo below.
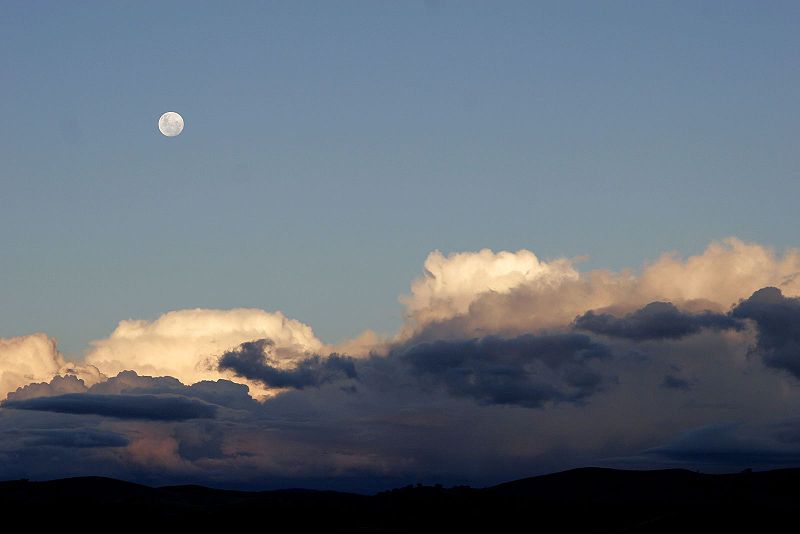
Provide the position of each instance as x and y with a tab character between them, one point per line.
170	124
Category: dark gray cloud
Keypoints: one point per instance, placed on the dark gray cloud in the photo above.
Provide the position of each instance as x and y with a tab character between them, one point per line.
528	370
132	382
219	392
777	319
485	408
728	446
253	360
82	438
224	393
147	407
674	382
655	321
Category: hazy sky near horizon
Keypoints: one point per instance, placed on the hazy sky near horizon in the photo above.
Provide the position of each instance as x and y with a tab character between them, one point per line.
329	147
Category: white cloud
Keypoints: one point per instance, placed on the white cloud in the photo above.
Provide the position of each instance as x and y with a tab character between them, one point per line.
479	293
452	283
185	344
35	358
725	272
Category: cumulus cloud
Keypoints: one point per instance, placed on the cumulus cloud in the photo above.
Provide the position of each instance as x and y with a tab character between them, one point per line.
220	392
528	370
452	283
256	360
35	358
58	385
129	383
725	272
151	407
185	344
475	294
657	320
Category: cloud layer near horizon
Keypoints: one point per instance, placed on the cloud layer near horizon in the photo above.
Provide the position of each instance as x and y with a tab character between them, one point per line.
504	360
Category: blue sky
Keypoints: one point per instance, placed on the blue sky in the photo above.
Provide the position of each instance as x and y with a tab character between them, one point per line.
329	147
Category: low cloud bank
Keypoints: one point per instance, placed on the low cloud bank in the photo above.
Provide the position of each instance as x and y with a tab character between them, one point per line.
507	365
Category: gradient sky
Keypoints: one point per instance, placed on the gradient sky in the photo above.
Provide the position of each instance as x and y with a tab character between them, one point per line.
329	147
573	227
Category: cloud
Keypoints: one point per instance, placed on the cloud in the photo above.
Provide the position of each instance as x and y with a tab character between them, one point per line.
528	370
777	319
657	320
133	383
185	344
674	382
219	392
85	438
728	446
491	377
149	407
255	360
35	358
481	293
58	385
452	283
222	393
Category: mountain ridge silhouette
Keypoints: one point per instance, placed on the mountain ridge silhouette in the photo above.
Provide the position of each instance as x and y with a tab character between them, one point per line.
580	500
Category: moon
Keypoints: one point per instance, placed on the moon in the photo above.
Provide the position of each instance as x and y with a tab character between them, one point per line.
170	124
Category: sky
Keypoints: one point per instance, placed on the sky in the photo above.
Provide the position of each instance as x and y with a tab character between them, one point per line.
330	147
363	189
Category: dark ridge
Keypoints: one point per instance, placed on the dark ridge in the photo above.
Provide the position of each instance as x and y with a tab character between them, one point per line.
580	500
597	483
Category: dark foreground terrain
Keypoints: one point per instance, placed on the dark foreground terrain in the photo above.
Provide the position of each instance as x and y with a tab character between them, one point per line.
581	500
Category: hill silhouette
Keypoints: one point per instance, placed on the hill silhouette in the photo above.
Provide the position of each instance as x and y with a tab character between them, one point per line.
580	500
